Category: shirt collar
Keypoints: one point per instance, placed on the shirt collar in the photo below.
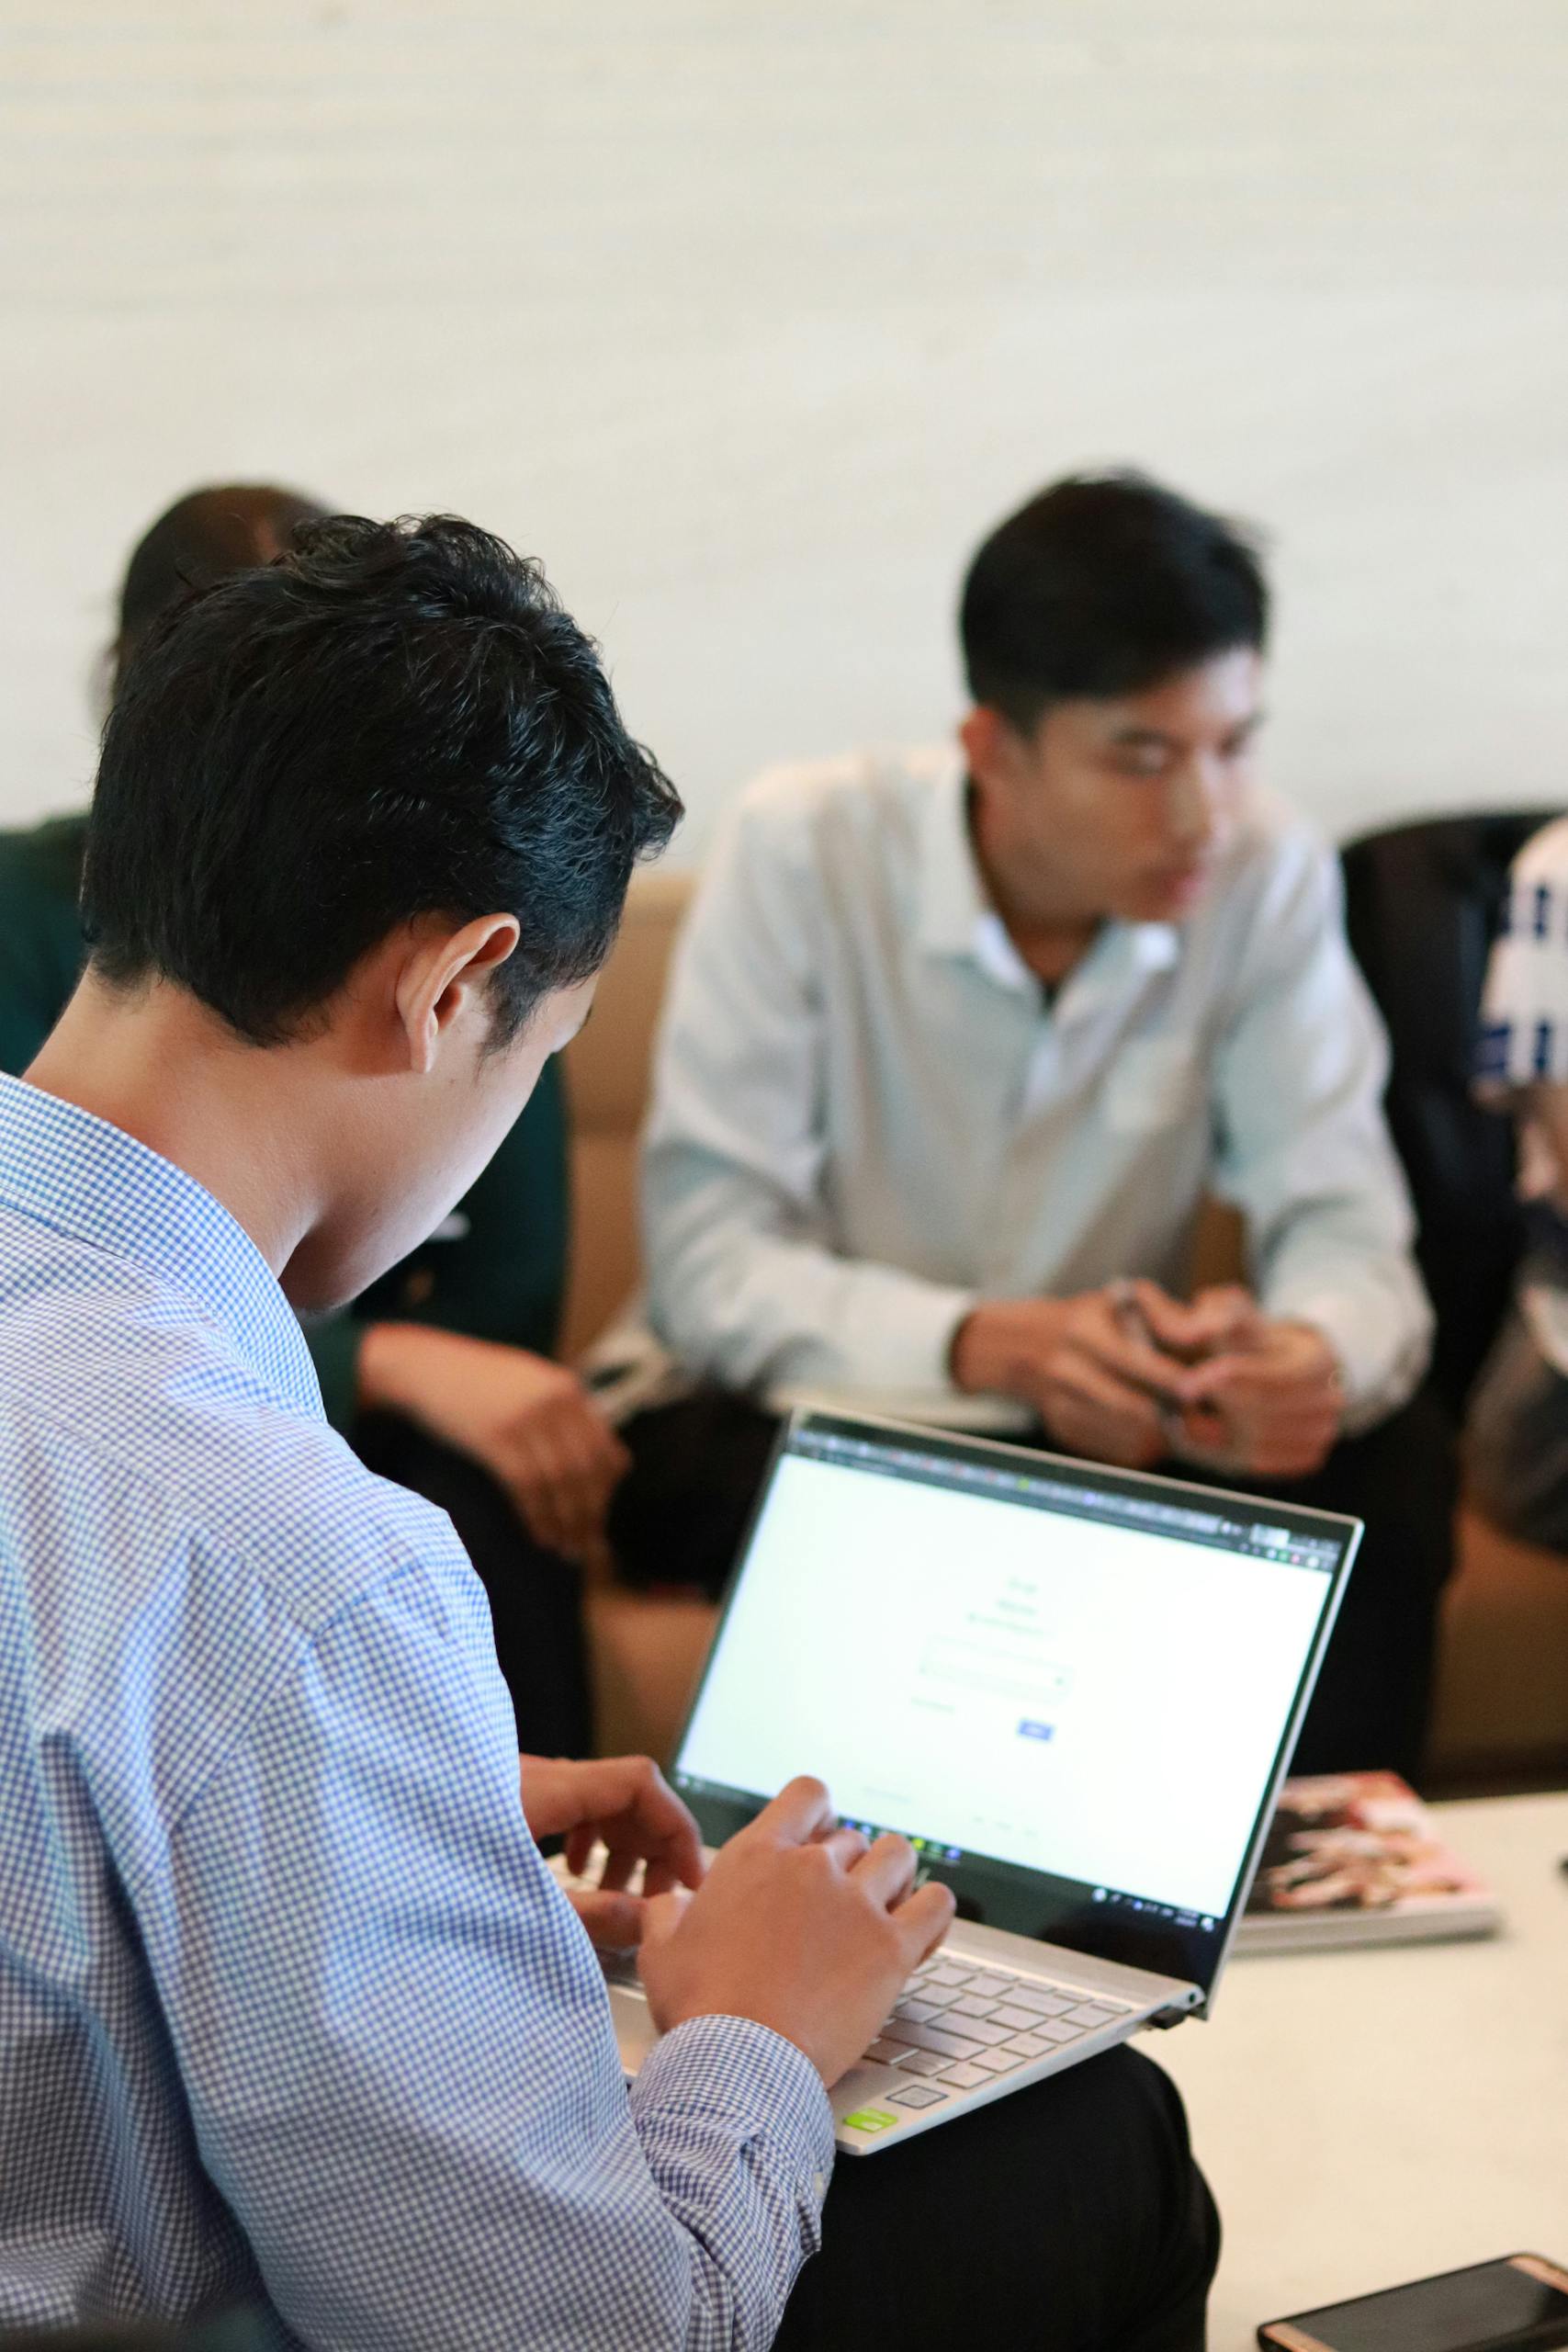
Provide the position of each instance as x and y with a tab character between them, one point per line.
66	1169
956	917
952	902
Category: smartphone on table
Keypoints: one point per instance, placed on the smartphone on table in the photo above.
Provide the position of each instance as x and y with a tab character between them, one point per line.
1516	2304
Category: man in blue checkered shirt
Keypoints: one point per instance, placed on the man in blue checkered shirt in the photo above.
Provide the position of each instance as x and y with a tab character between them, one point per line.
292	2014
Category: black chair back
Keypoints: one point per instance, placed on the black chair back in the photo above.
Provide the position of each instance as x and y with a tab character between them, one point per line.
1422	907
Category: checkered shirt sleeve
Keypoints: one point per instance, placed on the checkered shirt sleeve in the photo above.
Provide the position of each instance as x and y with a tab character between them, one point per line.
396	2044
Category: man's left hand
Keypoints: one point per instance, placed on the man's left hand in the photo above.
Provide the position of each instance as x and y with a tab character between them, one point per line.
1268	1403
625	1804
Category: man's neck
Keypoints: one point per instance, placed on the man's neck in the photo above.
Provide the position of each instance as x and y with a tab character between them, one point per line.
160	1067
1052	939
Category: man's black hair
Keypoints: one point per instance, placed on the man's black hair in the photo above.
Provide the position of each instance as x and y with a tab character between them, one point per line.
1102	586
204	534
392	719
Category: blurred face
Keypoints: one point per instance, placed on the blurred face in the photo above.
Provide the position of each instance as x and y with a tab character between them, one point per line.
1120	809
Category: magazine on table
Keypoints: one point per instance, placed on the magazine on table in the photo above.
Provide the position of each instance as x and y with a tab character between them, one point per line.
1356	1858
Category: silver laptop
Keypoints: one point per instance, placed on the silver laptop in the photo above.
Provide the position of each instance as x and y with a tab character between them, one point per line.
1074	1689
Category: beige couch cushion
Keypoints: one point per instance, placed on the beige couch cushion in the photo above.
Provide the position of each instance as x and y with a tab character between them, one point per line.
1501	1696
607	1069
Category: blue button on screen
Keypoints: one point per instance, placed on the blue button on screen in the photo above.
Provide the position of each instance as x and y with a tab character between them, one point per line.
1029	1729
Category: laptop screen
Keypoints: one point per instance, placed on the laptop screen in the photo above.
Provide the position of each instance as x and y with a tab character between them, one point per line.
1074	1689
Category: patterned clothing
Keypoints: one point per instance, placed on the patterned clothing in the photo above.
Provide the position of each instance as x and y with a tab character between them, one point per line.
1524	1010
1517	1438
290	2008
1524	1006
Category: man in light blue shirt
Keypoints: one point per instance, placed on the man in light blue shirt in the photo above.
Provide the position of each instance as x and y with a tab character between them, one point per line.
292	2013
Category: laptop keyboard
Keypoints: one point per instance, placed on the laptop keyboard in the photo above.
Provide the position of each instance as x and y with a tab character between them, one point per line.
956	2026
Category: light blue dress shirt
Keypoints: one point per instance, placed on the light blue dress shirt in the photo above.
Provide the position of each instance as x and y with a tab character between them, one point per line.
290	2007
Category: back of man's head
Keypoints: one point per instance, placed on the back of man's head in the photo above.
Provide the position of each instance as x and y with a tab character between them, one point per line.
392	719
1103	585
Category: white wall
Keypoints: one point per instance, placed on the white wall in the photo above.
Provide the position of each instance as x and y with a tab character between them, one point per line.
749	317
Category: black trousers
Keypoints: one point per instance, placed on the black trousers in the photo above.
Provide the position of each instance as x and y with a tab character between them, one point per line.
1070	2215
1373	1696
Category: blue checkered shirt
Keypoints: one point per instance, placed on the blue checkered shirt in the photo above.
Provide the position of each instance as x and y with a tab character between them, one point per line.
290	2008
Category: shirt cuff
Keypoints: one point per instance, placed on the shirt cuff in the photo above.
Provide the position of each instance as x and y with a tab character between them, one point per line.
932	1334
1376	1379
739	2079
892	1333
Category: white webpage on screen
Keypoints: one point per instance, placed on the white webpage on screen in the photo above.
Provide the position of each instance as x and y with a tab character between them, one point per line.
1093	1700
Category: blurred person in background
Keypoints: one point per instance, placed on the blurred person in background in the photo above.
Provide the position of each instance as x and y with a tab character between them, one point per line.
1517	1439
198	540
959	1041
441	1373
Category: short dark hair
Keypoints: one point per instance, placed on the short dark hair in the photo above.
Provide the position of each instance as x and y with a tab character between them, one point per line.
390	719
1102	586
200	537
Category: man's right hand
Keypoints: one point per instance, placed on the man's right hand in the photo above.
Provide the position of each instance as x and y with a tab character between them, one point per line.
530	1422
1100	1389
799	1925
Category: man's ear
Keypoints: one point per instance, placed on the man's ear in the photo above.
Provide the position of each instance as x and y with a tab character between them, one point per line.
986	738
441	979
996	751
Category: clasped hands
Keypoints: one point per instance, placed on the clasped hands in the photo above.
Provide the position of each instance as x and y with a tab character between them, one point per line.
1131	1376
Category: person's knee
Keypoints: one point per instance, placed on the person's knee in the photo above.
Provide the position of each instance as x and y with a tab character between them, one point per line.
1069	2212
1189	2220
1126	2108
